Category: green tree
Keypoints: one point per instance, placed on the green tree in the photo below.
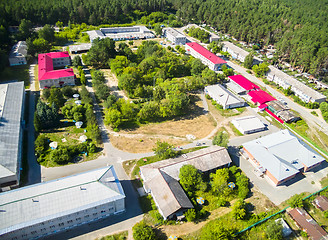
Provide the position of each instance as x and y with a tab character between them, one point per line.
296	201
83	79
141	231
77	61
248	63
164	150
113	117
196	67
41	145
67	91
190	215
61	155
56	97
118	64
101	52
36	122
219	180
25	29
216	230
38	45
190	178
274	231
221	139
215	47
239	210
47	33
243	186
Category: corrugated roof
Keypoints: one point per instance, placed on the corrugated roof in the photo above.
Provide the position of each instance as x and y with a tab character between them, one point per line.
222	95
306	222
273	152
206	53
37	203
243	82
162	177
259	96
10	127
174	32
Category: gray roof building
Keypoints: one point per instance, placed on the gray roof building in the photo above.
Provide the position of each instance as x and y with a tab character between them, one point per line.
18	54
282	155
174	36
11	132
161	179
80	48
42	209
224	97
282	111
248	124
238	53
285	81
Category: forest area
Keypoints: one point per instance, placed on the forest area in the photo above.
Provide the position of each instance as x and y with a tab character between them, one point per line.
297	28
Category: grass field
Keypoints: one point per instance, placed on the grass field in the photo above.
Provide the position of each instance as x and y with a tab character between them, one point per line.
19	73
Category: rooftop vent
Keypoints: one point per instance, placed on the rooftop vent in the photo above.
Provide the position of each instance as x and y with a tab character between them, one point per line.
35	200
83	188
287	170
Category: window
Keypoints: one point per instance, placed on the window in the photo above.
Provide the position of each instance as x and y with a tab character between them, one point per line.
69	221
53	226
61	224
95	214
79	219
103	211
24	235
86	216
33	232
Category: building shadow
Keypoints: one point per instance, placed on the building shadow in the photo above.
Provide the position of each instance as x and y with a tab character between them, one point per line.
234	155
132	209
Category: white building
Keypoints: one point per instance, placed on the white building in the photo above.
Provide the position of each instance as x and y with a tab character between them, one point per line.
238	53
46	208
224	97
174	36
11	133
18	54
208	58
121	33
248	124
80	48
305	93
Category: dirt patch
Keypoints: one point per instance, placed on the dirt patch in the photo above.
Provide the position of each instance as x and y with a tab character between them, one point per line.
199	126
142	144
189	227
112	83
260	202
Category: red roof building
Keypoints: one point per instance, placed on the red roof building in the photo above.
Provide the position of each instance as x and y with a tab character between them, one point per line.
243	82
321	202
308	224
260	97
208	58
48	76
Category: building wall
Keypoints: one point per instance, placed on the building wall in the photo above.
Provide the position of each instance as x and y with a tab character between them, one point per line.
176	40
61	62
17	61
55	82
58	224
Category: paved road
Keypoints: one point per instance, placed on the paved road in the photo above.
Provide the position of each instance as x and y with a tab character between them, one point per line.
34	170
304	112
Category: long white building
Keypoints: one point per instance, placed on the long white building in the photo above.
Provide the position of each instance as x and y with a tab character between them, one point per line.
305	93
174	36
121	33
208	58
12	97
42	209
238	53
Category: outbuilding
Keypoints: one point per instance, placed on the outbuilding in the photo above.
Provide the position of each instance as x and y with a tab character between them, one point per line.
248	124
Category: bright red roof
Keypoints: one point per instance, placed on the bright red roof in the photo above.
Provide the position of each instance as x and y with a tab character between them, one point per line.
275	116
259	96
243	82
58	54
206	53
46	69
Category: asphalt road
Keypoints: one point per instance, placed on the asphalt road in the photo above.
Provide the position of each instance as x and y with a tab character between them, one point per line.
34	169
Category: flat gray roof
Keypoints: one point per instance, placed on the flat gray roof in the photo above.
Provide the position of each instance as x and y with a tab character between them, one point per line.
37	203
239	50
248	123
174	32
11	106
295	83
282	154
18	50
222	95
80	47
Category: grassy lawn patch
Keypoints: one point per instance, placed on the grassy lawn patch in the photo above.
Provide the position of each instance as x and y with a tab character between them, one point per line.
228	112
19	73
36	78
235	130
117	236
314	113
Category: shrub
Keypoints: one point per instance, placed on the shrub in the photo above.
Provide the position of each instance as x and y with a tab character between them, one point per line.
296	201
190	215
141	231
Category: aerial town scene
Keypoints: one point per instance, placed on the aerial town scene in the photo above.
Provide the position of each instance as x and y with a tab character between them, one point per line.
164	119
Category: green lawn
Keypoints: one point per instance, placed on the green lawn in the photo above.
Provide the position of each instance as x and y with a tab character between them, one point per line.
19	73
